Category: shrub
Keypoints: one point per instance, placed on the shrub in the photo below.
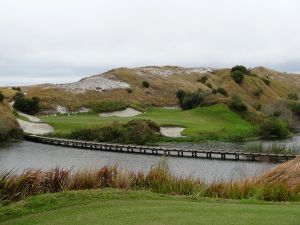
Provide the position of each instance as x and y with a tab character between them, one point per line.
129	90
240	68
258	107
293	96
109	106
296	109
180	94
26	105
209	85
274	127
145	84
266	81
214	91
258	92
277	114
192	100
222	91
1	97
237	104
237	76
203	79
16	89
133	132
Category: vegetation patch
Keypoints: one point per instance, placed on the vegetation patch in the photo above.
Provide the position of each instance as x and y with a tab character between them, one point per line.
237	104
26	105
273	148
108	106
274	127
159	179
189	100
134	132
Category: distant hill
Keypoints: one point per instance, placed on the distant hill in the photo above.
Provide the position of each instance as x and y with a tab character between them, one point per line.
265	91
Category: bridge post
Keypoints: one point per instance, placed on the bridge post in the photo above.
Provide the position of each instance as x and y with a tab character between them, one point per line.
222	155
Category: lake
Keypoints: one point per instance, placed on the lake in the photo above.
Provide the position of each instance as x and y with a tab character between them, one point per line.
22	155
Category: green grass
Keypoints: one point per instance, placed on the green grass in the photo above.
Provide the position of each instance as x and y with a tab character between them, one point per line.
215	122
113	206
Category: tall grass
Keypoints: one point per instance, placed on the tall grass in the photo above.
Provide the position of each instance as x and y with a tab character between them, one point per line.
15	187
273	148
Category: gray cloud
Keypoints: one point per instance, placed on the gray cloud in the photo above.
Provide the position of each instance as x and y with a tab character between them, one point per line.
57	40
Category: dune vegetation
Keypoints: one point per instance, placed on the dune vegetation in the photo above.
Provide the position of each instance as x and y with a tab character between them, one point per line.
9	127
280	184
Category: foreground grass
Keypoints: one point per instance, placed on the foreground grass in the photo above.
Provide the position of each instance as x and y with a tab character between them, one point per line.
112	206
213	122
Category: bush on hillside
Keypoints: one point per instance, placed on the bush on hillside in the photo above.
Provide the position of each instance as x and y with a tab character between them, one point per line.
190	100
293	96
237	76
180	94
26	105
134	132
266	81
16	89
237	104
222	91
274	127
108	106
1	97
240	68
145	84
203	79
209	85
258	92
296	109
18	95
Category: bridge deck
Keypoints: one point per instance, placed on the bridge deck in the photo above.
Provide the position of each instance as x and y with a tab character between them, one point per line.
152	150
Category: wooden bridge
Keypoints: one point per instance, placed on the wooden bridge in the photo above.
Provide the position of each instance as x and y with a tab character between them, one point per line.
221	154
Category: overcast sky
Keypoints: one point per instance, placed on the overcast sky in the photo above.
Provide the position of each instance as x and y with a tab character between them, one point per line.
63	40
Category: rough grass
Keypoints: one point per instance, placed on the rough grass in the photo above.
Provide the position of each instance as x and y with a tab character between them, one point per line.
144	207
212	122
8	122
159	179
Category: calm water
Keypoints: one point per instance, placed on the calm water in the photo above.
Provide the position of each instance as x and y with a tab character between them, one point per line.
22	155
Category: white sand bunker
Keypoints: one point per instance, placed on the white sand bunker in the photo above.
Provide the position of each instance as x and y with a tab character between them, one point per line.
171	131
35	128
30	117
129	112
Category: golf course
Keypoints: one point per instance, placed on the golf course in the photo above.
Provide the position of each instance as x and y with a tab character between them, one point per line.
113	206
216	122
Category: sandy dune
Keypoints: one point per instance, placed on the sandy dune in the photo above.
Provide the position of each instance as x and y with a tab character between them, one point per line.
171	131
129	112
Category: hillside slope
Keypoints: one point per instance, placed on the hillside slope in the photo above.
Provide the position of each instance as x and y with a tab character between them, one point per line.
8	123
125	84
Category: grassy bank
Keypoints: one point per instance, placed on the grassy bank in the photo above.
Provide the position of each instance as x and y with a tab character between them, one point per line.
9	127
15	187
112	206
213	122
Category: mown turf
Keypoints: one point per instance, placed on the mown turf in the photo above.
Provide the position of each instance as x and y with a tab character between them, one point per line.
144	207
214	121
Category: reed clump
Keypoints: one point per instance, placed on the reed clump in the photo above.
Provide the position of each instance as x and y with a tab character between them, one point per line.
273	186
